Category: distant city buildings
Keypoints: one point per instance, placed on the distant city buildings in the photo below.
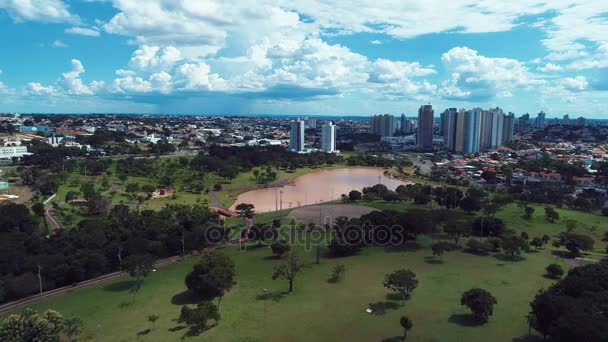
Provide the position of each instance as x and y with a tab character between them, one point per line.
540	120
7	153
470	131
296	136
566	120
383	125
426	123
328	138
407	125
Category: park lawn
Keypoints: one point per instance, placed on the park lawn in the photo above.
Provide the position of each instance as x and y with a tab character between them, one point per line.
589	224
318	310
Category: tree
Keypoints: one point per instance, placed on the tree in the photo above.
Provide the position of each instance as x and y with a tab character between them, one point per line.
38	209
31	326
280	247
551	214
406	324
575	243
197	318
72	327
212	276
245	210
554	271
138	266
337	273
354	196
546	240
457	230
470	204
574	308
152	319
537	242
514	245
528	211
480	302
403	282
477	247
288	270
440	248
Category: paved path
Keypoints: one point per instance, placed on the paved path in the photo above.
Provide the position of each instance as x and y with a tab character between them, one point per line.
50	216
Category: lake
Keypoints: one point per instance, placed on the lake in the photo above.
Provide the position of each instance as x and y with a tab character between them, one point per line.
316	187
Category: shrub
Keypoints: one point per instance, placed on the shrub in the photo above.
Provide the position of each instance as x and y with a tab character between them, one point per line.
554	271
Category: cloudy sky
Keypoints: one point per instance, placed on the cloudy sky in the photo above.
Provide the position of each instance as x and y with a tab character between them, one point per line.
354	57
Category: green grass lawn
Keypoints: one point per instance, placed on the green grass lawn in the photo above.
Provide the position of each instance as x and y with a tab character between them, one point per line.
318	310
589	224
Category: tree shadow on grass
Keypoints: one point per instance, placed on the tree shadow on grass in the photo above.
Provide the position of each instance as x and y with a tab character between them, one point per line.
506	257
274	296
143	332
395	297
394	339
185	298
432	261
465	320
120	286
380	308
177	328
272	257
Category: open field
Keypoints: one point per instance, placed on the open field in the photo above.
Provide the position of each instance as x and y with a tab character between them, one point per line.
248	315
587	223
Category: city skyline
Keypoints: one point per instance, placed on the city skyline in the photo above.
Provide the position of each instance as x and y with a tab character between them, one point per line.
276	58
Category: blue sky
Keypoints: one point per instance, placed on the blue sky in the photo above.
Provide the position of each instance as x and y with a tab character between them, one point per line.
351	57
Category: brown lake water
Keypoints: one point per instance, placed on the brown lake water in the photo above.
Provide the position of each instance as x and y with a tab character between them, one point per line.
316	187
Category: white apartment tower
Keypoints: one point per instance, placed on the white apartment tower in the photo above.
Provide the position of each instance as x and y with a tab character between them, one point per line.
328	138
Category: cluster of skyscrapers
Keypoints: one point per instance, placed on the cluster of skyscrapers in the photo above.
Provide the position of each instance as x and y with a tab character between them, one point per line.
470	131
297	134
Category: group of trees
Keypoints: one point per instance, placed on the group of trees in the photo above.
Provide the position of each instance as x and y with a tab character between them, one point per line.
575	308
97	246
30	325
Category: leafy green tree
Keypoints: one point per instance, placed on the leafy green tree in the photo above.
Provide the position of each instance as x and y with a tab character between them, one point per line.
72	328
457	230
280	247
576	243
212	276
528	212
152	319
554	271
245	210
440	248
38	209
537	242
354	196
514	245
546	240
573	309
406	324
551	214
403	282
31	326
480	302
288	270
337	273
138	266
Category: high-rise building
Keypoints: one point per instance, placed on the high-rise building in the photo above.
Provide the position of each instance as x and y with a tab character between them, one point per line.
383	125
508	127
462	130
311	122
296	136
540	120
426	123
581	122
566	120
523	122
328	137
492	129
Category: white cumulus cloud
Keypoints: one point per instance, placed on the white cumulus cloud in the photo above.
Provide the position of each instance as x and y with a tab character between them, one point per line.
82	31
